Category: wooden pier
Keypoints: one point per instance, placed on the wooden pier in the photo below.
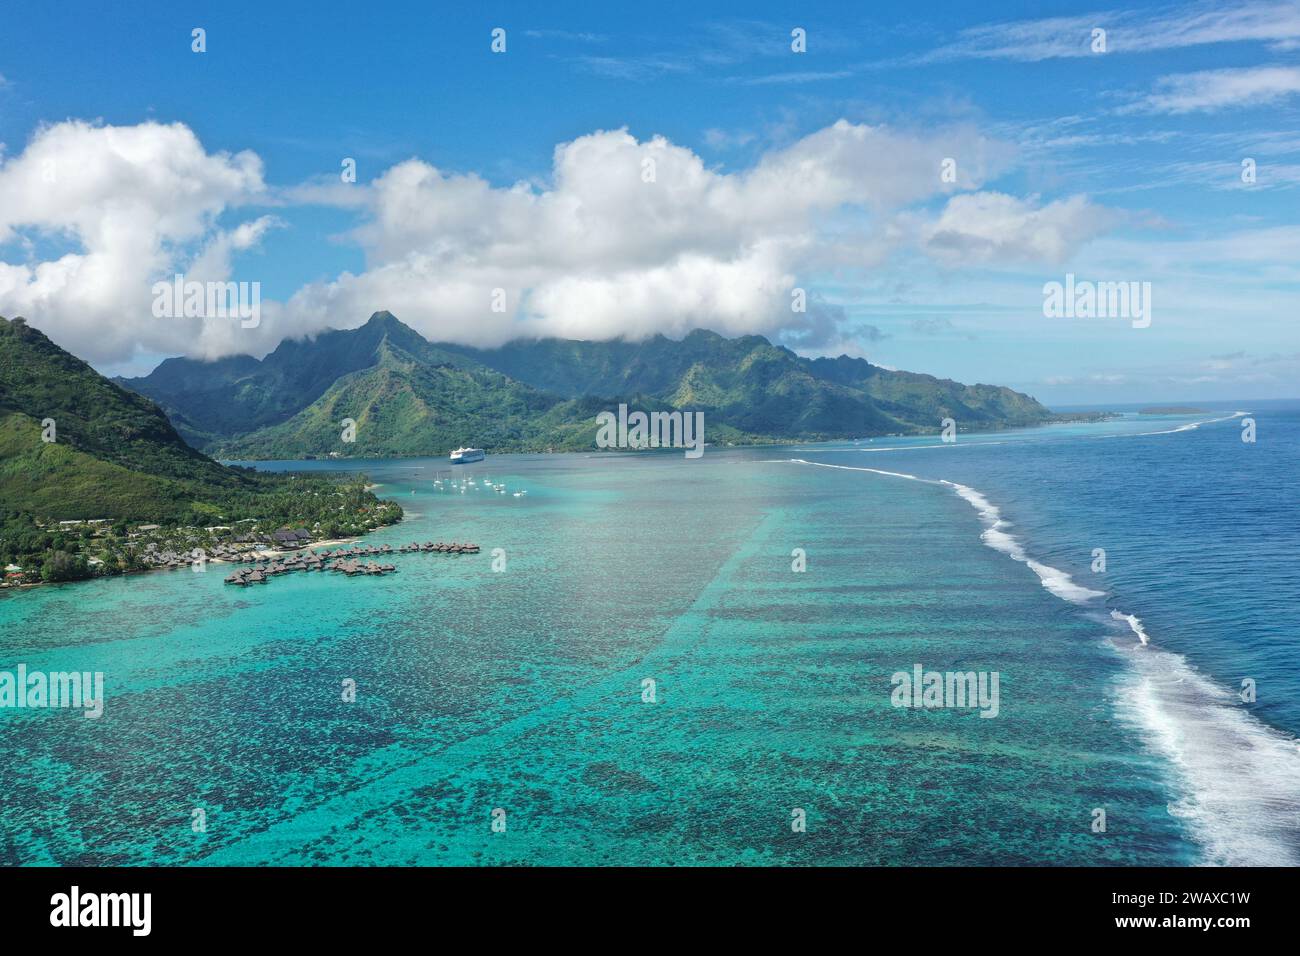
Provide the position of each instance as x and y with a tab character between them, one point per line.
347	561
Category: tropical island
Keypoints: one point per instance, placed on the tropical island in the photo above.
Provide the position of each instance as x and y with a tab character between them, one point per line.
102	477
409	397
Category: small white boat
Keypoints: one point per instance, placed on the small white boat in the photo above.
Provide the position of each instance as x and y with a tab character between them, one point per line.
463	456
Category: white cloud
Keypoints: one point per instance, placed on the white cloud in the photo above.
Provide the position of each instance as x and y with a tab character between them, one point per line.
994	227
565	35
131	204
592	251
599	253
1213	174
213	262
326	190
1276	24
1218	89
723	139
794	78
637	68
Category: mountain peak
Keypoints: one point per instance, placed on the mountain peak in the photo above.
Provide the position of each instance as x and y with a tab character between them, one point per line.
384	324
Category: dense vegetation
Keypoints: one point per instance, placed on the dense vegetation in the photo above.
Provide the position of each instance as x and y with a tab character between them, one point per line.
409	397
115	456
759	388
336	506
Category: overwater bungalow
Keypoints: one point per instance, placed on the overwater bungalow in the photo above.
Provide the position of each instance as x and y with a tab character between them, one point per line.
346	560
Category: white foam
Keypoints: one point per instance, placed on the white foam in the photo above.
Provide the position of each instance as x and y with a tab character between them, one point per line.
996	536
1134	623
1239	778
1062	585
969	443
1189	427
874	471
902	448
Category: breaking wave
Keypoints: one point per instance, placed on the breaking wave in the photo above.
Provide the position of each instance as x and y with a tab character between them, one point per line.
1238	779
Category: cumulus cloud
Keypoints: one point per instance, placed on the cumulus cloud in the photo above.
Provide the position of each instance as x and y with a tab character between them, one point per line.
623	237
600	252
130	205
994	227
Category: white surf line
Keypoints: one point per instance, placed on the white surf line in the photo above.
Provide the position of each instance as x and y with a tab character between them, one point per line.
1190	426
876	471
1135	625
995	535
973	442
1238	778
969	443
1187	427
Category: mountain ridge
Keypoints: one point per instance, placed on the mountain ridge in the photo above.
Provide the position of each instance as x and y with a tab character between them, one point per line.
410	396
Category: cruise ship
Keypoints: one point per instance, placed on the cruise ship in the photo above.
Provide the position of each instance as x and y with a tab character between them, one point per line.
463	456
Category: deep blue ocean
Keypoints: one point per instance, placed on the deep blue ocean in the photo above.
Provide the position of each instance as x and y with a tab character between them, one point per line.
648	680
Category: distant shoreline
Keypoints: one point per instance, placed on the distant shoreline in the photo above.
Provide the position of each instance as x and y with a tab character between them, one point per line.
1063	418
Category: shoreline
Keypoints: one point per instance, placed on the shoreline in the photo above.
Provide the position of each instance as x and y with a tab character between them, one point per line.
1056	418
260	554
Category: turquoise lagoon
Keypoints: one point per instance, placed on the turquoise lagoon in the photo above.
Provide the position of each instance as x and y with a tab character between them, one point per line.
522	690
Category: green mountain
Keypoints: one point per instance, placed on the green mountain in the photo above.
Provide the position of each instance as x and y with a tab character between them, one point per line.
410	397
114	454
407	402
759	388
404	395
210	402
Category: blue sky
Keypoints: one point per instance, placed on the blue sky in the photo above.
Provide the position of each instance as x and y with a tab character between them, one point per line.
1122	165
